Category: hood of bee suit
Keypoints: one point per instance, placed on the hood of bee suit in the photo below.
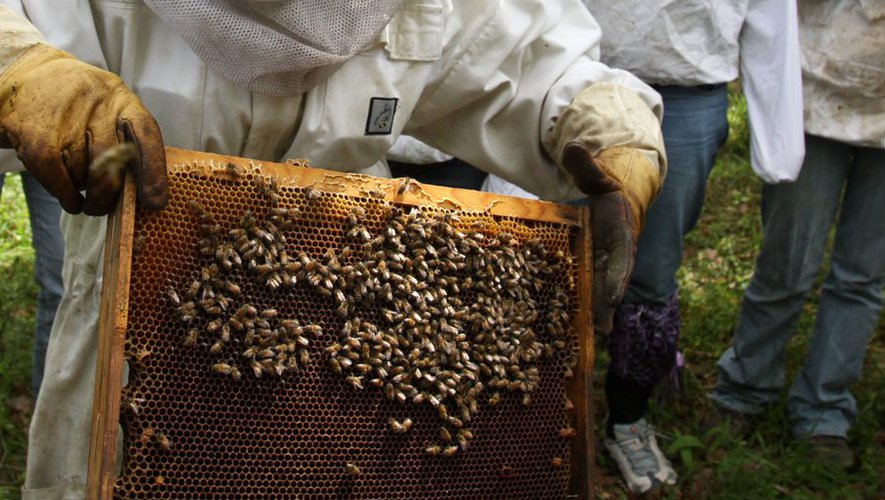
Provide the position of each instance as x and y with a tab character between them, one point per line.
276	47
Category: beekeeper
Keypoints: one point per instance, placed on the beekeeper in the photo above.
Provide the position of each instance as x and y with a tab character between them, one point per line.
506	86
841	182
689	50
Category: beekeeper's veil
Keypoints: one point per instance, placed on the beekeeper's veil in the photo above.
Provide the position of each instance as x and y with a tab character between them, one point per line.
276	47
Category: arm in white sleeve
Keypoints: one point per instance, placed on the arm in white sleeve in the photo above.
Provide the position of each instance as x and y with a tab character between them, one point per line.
498	102
17	34
771	75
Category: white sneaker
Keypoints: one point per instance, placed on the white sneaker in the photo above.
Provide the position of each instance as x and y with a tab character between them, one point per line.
636	451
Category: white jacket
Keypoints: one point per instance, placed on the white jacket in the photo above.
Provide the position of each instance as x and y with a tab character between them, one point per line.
480	79
472	78
697	42
843	65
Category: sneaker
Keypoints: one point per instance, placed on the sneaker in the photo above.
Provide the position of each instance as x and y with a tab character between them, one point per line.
833	451
636	451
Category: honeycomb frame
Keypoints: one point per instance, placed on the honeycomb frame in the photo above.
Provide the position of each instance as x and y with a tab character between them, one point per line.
528	455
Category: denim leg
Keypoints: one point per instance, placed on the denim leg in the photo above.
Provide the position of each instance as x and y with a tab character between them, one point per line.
850	302
695	126
646	329
796	219
46	238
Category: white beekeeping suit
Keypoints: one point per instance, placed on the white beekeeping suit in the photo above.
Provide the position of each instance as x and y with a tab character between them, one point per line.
697	42
844	71
479	79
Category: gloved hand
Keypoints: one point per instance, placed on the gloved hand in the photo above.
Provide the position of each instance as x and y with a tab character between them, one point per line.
620	183
60	114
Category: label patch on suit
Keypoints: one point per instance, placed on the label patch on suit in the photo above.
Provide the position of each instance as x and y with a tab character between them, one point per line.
380	119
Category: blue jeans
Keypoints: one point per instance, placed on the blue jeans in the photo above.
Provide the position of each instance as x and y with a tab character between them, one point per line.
46	238
797	219
695	126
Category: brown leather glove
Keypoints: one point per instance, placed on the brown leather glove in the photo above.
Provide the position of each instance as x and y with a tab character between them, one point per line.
620	183
60	114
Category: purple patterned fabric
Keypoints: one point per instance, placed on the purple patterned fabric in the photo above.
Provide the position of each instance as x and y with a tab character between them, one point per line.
643	341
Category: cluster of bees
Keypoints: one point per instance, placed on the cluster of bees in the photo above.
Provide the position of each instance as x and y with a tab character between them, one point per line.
433	310
240	335
461	318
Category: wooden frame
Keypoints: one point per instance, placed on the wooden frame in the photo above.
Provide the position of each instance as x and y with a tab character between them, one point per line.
115	295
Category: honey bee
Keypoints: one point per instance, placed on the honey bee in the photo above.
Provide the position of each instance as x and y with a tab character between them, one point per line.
213	326
160	480
163	442
463	440
433	450
356	382
217	347
556	462
188	312
173	296
147	435
342	309
449	451
269	188
232	287
352	469
222	368
134	405
567	432
444	434
405	186
236	324
400	427
336	365
235	171
138	244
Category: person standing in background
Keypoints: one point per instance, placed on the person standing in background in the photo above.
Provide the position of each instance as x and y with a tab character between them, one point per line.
44	213
688	50
842	181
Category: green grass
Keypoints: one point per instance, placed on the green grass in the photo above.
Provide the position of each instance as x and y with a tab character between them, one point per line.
718	265
18	295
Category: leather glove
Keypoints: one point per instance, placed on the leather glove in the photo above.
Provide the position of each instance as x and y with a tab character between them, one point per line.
621	183
60	114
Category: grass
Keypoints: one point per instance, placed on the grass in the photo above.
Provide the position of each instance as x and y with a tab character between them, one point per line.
18	295
718	265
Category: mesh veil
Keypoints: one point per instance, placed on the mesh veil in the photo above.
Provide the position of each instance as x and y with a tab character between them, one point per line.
276	47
